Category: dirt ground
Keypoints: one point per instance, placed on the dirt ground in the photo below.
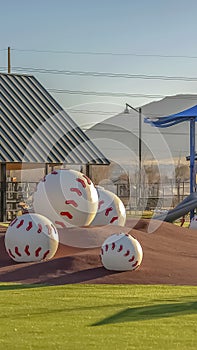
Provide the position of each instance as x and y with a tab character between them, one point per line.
170	257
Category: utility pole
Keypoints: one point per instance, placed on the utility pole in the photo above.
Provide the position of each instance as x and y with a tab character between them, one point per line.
139	111
9	61
140	152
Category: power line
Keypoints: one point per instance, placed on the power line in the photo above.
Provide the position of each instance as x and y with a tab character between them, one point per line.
112	94
116	94
105	74
96	53
102	93
88	111
121	130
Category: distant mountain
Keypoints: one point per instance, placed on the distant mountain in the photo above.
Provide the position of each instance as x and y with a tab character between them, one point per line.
118	136
169	105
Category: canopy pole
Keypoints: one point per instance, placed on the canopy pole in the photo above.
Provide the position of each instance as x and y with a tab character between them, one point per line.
192	158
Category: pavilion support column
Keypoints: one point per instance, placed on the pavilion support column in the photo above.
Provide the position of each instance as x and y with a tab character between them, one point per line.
89	170
46	169
3	192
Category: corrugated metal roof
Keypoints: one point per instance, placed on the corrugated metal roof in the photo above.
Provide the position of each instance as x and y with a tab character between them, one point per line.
35	128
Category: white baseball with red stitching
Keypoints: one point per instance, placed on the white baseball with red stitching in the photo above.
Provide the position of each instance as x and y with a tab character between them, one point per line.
121	252
67	197
193	223
31	237
111	210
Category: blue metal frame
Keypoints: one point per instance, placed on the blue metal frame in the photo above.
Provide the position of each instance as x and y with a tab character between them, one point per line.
167	121
192	159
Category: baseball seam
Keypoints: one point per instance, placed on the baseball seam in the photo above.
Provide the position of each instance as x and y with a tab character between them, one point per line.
105	249
27	252
30	226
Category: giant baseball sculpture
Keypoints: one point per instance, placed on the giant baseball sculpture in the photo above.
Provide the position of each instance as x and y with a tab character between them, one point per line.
121	252
67	197
31	237
111	210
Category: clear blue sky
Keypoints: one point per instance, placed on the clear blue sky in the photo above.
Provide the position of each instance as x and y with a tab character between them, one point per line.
138	27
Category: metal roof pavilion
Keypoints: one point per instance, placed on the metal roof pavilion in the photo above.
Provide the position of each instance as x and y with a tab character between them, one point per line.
36	129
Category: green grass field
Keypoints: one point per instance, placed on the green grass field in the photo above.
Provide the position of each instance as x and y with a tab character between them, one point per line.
98	317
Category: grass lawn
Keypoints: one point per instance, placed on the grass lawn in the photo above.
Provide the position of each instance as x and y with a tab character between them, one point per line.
98	317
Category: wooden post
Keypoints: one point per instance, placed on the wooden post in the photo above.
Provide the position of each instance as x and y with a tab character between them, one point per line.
88	170
46	169
9	61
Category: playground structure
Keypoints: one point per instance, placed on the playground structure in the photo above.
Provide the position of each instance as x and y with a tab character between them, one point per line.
182	209
189	204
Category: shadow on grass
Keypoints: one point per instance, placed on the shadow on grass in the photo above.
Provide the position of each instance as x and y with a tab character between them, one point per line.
20	286
150	312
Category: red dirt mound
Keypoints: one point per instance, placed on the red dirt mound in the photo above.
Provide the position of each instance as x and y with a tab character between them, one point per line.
170	257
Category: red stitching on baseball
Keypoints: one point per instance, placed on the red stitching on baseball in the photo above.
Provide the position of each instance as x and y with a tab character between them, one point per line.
106	247
72	202
45	254
100	203
10	253
107	211
37	251
20	224
73	189
132	258
53	227
82	182
113	219
121	248
13	222
26	250
113	246
54	172
66	213
127	253
39	228
60	223
136	267
17	251
49	228
135	264
87	179
29	226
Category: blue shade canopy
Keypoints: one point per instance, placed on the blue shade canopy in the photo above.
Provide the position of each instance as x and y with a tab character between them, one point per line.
164	122
191	112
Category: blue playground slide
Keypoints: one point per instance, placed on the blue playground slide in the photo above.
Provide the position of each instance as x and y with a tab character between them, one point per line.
183	208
